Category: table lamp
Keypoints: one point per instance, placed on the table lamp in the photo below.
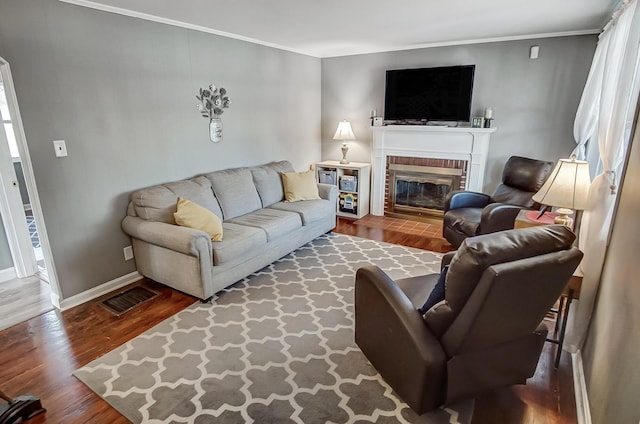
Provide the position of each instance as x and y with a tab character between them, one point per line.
344	133
566	188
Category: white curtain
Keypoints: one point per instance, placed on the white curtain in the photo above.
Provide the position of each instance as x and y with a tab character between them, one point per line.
605	116
587	115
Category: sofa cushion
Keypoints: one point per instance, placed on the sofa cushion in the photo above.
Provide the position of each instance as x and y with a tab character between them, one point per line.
300	186
281	166
235	192
268	181
309	210
240	242
192	215
273	222
158	203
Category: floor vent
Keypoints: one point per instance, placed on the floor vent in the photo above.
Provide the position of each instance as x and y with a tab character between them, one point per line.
127	300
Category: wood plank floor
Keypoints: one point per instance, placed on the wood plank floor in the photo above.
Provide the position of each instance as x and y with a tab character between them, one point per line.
39	355
21	299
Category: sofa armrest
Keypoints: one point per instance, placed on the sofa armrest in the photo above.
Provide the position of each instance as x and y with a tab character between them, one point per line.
396	340
466	199
174	237
498	217
328	192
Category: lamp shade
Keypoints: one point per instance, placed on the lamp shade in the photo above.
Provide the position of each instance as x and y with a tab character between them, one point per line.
344	131
567	186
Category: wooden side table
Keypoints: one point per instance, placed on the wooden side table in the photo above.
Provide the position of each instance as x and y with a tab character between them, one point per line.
523	221
572	289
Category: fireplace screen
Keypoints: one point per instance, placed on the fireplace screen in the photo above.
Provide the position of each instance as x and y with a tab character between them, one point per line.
421	190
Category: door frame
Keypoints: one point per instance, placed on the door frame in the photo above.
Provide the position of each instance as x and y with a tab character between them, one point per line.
15	222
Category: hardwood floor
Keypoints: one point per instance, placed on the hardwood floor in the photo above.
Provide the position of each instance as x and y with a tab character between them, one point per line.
21	299
39	355
384	231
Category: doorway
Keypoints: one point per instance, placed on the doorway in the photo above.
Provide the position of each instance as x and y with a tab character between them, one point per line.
22	217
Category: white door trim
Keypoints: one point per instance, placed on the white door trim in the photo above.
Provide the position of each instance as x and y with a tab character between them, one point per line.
13	216
30	181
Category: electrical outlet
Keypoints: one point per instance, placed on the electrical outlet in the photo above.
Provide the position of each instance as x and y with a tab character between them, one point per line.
128	253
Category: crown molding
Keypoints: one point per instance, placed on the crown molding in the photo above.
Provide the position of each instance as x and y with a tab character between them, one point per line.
473	41
173	22
148	17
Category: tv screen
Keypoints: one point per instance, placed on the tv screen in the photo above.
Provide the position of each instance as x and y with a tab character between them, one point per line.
429	94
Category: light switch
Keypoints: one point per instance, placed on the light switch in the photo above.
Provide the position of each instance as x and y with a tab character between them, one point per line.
60	148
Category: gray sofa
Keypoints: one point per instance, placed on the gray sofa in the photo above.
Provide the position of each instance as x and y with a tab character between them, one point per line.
259	227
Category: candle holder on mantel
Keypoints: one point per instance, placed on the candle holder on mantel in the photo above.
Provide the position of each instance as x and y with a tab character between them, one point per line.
488	117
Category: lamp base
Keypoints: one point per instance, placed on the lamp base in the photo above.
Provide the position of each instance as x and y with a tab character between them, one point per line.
564	218
344	149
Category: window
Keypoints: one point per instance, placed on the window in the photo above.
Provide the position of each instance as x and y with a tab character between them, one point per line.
6	121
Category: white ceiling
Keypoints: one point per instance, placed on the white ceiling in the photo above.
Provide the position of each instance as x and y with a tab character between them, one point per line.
326	28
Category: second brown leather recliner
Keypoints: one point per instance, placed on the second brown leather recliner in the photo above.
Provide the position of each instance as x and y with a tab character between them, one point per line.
485	334
468	214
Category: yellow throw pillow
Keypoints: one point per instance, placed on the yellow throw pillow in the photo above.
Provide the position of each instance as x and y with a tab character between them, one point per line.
192	215
300	186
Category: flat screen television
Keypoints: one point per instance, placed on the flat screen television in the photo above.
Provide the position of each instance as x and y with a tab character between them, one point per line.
429	94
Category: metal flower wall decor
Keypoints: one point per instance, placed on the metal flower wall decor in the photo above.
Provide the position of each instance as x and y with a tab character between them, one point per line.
211	103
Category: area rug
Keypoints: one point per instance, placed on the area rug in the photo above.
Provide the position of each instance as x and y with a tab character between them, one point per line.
277	347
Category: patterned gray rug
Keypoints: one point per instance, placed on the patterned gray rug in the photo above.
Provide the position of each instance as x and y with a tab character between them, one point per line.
276	347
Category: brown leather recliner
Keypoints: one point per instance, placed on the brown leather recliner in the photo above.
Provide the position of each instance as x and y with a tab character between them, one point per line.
468	213
487	333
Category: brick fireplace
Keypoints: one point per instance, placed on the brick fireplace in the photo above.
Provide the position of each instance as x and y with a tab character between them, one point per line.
450	152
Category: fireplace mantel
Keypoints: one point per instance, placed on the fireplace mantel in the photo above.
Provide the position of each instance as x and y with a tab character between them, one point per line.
421	141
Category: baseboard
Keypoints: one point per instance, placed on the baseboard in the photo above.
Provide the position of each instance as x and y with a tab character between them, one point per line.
55	300
580	388
7	274
102	289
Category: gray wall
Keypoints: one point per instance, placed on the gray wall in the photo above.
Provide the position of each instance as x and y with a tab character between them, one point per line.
534	101
121	91
5	254
610	353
